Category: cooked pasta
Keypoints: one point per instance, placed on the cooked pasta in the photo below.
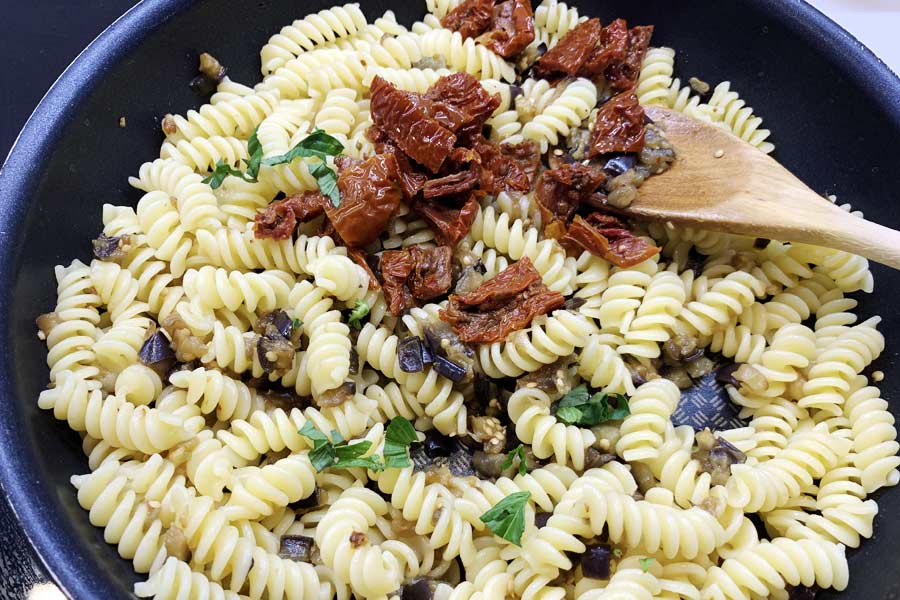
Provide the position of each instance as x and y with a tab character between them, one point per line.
370	332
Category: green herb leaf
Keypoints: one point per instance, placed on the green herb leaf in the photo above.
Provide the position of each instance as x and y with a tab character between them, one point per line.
318	144
645	563
507	518
351	455
296	323
256	153
327	180
518	451
617	552
358	314
317	437
579	408
397	437
223	170
336	452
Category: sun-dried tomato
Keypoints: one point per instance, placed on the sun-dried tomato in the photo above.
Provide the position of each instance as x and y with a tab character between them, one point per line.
512	28
607	237
370	195
507	167
570	53
450	218
562	190
278	220
414	274
461	104
623	75
613	49
431	276
451	185
619	126
404	117
508	302
470	18
412	177
396	267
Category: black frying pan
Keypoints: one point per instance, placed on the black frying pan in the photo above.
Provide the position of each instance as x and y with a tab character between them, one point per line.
833	107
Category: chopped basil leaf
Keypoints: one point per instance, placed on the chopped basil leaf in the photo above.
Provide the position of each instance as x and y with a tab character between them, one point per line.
507	518
337	453
318	144
327	180
397	437
256	152
580	408
223	170
518	451
617	552
645	563
296	323
358	314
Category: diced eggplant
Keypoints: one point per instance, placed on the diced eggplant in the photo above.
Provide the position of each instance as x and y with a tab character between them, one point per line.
314	500
297	547
409	355
620	163
419	589
276	355
541	518
725	374
157	354
437	445
449	369
595	562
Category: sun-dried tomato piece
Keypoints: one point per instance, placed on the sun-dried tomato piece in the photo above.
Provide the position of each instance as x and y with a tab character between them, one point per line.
507	167
561	191
619	126
451	185
431	276
470	18
404	117
412	177
503	287
570	53
501	305
396	267
414	274
278	220
607	237
613	49
623	75
370	195
450	218
461	104
512	28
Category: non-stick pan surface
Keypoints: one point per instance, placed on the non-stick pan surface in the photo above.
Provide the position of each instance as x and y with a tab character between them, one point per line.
834	110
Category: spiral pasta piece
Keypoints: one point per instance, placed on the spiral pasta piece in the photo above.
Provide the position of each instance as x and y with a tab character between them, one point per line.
770	566
874	436
656	76
553	20
344	547
202	154
726	106
725	300
313	30
220	288
215	391
569	109
113	419
329	338
126	519
257	491
622	297
642	431
341	277
175	580
603	367
766	486
655	318
238	117
465	55
544	342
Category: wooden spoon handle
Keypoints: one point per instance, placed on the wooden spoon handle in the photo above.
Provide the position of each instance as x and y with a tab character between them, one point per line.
868	239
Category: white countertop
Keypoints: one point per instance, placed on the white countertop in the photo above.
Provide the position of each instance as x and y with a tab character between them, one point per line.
875	23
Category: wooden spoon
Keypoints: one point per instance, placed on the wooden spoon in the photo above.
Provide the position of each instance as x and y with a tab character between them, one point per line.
722	183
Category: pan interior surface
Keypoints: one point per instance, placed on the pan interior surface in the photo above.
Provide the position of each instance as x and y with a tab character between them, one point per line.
833	108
